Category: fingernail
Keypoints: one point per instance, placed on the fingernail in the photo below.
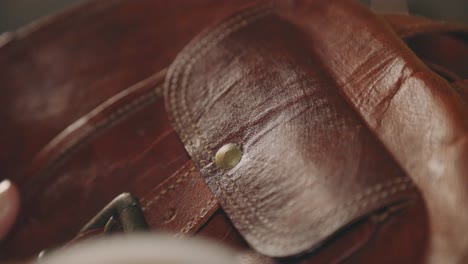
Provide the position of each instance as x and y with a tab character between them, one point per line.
9	206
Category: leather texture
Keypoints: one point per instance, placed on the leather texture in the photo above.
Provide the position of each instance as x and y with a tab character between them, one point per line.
428	138
66	94
169	208
83	120
309	165
58	69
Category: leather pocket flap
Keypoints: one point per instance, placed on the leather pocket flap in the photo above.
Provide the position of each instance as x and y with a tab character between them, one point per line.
309	165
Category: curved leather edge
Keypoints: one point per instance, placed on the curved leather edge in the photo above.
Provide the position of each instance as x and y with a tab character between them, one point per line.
261	230
180	204
420	119
82	130
408	26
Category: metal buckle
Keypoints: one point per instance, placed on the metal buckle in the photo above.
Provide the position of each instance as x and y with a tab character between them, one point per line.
124	209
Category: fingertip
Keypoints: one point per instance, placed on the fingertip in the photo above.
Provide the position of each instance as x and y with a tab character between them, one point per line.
9	206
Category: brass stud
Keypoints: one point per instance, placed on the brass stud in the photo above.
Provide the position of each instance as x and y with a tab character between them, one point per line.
228	156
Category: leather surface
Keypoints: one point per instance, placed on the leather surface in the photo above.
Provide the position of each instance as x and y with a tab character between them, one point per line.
444	50
419	118
62	75
407	26
58	69
309	165
442	46
68	74
395	235
181	204
90	163
63	197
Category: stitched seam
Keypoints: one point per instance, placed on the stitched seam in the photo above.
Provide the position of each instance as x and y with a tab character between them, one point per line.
194	220
181	118
299	239
100	127
194	127
237	23
361	198
231	25
237	189
168	189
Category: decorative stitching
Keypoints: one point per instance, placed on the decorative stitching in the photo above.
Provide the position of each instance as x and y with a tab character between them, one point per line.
363	197
194	127
300	238
169	188
100	127
205	43
182	118
215	36
194	220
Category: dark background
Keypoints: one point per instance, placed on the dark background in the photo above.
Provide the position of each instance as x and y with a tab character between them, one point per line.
16	13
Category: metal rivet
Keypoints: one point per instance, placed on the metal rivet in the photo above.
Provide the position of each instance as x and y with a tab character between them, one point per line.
228	156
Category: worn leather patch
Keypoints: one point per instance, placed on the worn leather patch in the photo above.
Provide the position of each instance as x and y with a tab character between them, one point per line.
309	165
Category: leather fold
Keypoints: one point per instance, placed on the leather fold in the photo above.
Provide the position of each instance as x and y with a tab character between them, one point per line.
309	167
416	114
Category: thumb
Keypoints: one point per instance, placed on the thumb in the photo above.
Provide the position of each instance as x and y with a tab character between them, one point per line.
9	206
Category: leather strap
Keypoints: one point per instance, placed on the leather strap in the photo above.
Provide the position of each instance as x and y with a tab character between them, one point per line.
91	125
431	40
167	204
428	138
181	204
174	195
408	26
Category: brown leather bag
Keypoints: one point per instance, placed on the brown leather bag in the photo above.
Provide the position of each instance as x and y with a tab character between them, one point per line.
299	131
